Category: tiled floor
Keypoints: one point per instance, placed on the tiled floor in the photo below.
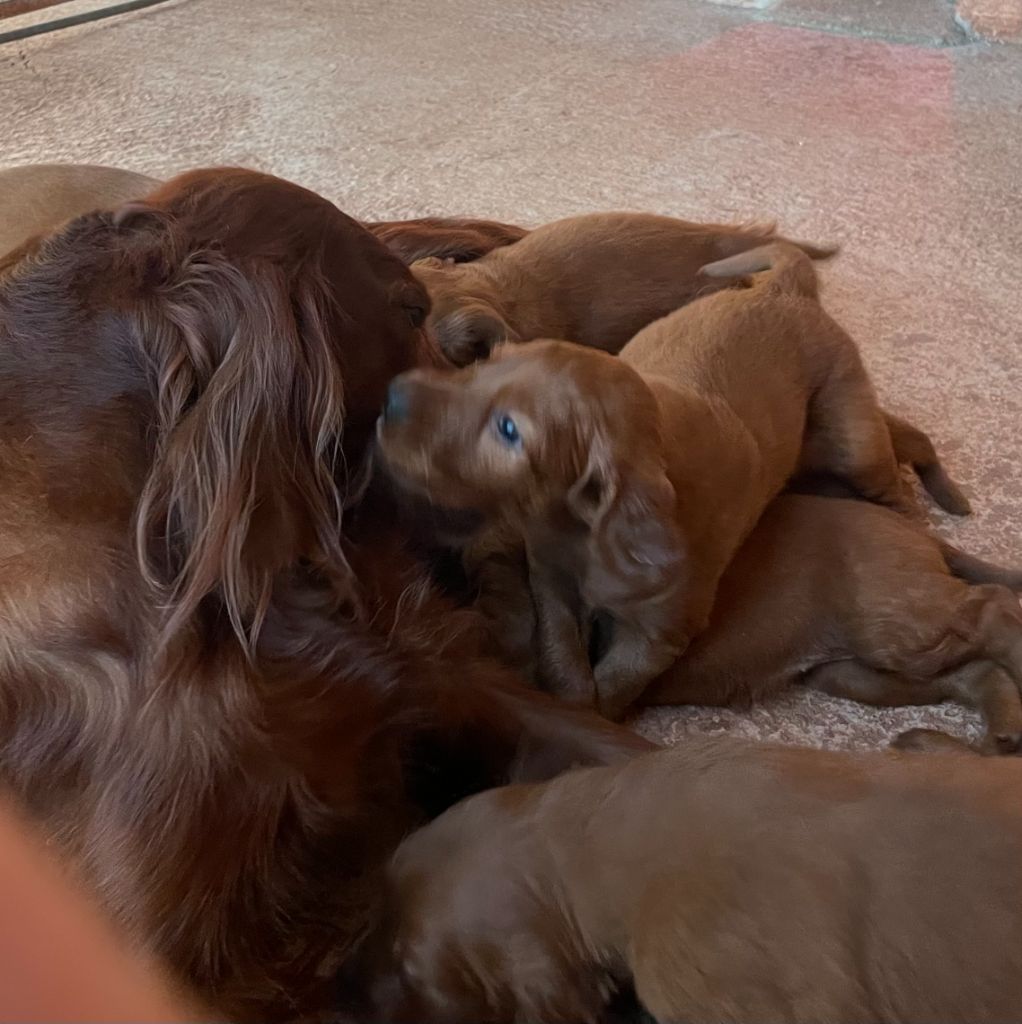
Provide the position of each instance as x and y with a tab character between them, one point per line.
877	125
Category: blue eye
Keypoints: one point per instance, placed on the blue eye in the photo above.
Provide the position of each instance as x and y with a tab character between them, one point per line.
507	430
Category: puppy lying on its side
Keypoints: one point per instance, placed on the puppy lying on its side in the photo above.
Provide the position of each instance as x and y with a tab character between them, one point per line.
839	595
596	280
634	480
729	881
38	198
859	602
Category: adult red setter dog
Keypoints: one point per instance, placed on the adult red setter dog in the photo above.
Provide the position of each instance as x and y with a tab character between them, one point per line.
221	706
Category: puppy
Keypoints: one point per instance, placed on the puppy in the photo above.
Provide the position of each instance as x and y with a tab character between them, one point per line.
634	480
852	599
40	197
728	881
597	280
906	618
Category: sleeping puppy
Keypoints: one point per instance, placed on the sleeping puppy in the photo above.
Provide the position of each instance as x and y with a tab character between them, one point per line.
728	881
634	480
873	608
906	619
37	198
597	280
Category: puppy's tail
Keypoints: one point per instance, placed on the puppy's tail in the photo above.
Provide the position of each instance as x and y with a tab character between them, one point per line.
790	267
731	241
976	570
813	251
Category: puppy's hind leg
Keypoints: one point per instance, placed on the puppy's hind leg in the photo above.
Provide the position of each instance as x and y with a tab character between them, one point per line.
991	620
855	680
847	435
949	652
990	691
997	697
914	447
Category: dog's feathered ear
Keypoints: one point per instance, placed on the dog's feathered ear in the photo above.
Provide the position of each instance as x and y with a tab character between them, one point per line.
630	510
249	409
591	496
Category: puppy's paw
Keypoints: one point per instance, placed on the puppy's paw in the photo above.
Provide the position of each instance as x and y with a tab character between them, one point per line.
1002	744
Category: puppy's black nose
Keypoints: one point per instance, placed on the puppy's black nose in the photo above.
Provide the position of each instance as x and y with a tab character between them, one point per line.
395	408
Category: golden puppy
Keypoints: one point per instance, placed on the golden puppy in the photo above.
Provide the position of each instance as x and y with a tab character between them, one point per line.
728	882
37	198
855	600
634	480
597	280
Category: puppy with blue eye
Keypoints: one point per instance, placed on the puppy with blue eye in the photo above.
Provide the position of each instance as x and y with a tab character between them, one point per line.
633	480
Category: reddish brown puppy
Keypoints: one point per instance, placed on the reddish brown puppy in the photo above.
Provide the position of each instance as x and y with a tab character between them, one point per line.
727	882
596	280
634	480
853	599
223	708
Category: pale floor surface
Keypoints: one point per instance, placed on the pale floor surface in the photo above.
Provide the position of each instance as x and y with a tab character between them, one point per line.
875	125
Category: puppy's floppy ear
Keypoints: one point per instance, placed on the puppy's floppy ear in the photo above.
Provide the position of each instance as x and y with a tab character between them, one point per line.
249	414
630	510
456	239
593	493
470	333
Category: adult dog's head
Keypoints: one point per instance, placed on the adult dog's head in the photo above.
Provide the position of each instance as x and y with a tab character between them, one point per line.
261	326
